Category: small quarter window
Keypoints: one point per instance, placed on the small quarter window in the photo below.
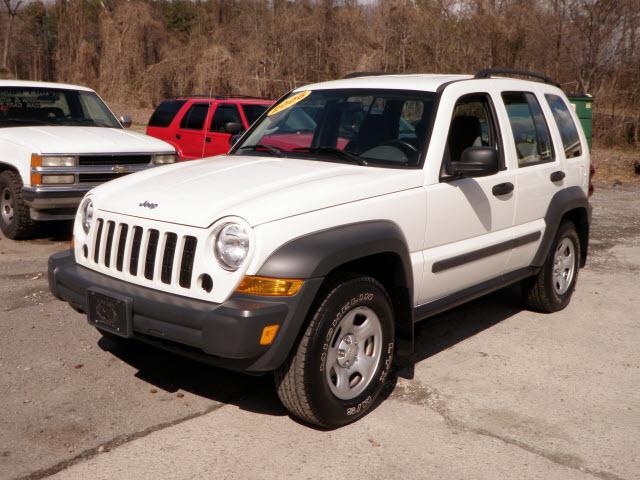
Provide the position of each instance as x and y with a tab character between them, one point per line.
530	131
566	126
195	116
165	113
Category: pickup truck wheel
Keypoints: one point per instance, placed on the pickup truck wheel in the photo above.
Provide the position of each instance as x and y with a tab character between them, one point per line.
343	358
15	221
551	289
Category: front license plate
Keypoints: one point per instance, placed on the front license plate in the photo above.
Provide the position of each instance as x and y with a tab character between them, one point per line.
110	312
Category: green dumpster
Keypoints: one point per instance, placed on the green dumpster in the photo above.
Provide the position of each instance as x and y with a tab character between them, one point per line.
582	104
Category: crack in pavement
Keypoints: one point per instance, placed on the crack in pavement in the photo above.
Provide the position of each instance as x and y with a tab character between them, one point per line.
423	395
122	440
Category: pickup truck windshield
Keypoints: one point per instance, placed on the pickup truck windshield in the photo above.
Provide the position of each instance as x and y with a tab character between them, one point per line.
29	106
386	127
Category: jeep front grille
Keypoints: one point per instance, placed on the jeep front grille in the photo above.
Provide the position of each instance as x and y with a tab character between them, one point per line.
150	253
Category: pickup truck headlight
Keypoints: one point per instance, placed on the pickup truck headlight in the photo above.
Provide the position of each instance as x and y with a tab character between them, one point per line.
232	245
164	159
58	161
87	215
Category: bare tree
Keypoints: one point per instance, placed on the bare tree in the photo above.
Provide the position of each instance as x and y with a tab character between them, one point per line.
12	12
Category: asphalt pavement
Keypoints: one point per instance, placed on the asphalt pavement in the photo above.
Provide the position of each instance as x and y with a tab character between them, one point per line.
498	392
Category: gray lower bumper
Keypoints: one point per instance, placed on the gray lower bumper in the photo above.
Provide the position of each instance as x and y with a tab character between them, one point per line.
54	203
226	335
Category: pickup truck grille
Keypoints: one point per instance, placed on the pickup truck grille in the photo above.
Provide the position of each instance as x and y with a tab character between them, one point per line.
149	253
99	177
114	159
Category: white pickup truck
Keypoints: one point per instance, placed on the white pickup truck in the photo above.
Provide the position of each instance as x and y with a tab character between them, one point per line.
56	143
349	211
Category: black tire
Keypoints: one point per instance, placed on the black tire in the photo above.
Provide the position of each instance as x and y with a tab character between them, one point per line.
539	292
20	226
302	381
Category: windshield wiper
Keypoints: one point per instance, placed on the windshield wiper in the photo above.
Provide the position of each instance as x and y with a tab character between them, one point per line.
350	157
272	150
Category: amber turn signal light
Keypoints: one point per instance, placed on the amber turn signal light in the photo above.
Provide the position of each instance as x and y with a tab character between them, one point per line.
269	287
269	334
36	161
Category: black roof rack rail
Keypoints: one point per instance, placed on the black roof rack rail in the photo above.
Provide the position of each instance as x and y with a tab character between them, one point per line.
218	97
366	74
489	72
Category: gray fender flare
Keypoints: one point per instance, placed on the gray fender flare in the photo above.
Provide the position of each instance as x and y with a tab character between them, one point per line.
315	255
572	198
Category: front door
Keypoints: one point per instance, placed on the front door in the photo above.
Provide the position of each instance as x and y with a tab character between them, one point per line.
469	220
218	139
190	133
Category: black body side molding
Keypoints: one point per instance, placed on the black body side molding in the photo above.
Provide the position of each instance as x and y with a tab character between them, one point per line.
567	199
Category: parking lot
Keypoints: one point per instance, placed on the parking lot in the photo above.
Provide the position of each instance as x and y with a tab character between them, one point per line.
498	392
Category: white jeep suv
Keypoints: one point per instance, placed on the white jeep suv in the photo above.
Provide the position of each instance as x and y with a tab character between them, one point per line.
349	211
57	142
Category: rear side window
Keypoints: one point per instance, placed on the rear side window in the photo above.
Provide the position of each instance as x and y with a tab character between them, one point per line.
195	116
225	113
566	125
530	130
165	113
252	112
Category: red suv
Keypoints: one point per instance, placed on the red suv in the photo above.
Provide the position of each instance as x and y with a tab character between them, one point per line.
199	126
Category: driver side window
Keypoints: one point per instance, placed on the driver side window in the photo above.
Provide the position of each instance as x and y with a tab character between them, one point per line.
472	125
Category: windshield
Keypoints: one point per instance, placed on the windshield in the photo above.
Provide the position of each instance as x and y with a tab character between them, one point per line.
28	106
386	127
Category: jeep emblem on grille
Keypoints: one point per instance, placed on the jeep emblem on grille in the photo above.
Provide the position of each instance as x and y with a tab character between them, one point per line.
119	169
149	205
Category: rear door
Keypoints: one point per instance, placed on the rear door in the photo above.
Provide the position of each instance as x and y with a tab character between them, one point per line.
539	173
217	140
190	134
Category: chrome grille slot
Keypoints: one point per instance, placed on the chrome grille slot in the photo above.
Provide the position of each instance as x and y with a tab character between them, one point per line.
168	256
111	226
135	250
188	256
150	257
122	241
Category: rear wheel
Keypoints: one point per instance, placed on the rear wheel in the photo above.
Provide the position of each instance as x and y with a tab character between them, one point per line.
344	357
15	221
551	289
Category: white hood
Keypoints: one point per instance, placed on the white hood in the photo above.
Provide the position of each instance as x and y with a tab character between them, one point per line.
76	140
258	189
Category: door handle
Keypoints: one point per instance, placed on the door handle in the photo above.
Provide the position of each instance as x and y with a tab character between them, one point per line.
207	139
502	189
557	176
178	136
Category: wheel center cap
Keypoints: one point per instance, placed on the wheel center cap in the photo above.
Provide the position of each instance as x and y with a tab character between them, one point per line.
347	351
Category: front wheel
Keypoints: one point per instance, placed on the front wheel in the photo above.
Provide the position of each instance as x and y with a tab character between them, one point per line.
15	220
344	357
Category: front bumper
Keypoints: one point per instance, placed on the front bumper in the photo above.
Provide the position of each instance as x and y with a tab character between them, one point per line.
226	334
54	202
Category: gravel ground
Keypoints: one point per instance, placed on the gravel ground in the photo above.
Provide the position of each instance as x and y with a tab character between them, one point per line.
498	392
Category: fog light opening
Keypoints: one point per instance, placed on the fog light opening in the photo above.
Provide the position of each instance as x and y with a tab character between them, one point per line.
206	282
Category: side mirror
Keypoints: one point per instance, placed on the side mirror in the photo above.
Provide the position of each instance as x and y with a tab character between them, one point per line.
126	121
233	128
477	162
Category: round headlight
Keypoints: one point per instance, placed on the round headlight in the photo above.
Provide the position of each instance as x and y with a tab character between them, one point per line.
232	246
87	215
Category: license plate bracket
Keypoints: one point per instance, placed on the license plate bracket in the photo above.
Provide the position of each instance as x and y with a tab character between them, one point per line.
110	312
